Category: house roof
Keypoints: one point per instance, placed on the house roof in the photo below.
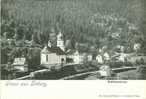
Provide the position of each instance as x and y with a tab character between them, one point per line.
56	50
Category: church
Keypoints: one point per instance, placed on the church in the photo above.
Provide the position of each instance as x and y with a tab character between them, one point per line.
56	55
51	55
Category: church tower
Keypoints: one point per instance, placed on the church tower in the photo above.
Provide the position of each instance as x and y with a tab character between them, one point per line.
60	41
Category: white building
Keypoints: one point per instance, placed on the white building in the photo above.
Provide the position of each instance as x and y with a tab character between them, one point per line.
81	57
105	71
99	59
78	57
20	64
106	56
122	57
136	47
54	55
90	57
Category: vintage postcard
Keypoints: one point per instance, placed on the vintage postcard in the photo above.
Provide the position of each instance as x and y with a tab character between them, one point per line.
84	48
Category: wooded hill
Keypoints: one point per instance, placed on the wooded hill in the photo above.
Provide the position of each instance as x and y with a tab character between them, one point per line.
93	22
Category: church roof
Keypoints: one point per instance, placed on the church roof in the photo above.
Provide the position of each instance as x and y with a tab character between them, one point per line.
46	50
70	51
56	50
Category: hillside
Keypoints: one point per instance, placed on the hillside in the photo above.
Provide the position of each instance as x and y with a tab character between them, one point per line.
93	22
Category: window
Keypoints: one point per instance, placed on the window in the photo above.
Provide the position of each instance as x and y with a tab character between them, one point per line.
62	60
46	58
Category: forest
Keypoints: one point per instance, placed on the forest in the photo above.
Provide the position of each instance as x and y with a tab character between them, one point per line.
27	25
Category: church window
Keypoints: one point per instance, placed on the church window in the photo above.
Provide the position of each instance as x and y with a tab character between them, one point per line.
46	58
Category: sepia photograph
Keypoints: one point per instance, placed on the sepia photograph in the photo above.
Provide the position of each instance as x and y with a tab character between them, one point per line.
73	40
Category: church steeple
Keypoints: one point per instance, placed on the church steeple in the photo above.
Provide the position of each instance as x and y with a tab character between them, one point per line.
60	41
49	44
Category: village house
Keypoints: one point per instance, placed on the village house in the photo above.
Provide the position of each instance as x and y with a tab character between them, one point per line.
137	47
20	64
79	57
90	57
99	59
103	55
